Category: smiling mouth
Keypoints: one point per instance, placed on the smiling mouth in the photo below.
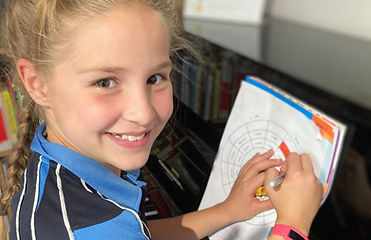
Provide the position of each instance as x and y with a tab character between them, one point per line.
128	137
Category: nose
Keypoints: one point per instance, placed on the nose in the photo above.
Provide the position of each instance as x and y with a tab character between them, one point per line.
138	106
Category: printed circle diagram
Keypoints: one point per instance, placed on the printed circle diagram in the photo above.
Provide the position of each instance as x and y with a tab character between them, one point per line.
257	135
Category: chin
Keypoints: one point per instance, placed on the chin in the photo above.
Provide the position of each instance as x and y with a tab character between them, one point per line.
134	163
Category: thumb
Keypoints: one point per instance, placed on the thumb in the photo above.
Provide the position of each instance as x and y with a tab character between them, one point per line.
270	173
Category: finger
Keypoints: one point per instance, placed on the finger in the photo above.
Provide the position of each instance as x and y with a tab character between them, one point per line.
283	168
256	158
306	162
259	167
264	165
269	175
268	154
293	163
259	157
255	182
247	163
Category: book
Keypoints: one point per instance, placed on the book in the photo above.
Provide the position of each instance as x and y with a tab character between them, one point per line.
10	114
215	105
226	84
6	141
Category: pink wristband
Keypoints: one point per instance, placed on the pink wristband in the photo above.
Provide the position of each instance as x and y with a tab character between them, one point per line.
287	232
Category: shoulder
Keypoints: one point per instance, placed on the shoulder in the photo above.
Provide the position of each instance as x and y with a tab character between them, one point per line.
55	202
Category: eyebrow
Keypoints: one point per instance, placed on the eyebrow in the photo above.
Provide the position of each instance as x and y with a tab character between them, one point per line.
113	69
165	64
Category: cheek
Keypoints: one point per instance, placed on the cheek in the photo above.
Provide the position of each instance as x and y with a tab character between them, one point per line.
163	103
101	112
90	113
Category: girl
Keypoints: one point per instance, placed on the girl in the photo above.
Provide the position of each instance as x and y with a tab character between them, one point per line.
97	93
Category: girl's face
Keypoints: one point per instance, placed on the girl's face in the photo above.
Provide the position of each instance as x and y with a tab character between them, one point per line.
112	96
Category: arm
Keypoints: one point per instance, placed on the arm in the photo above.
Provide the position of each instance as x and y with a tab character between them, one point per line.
298	198
240	205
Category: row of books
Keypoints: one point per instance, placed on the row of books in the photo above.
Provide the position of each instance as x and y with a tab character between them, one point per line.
10	105
177	171
210	87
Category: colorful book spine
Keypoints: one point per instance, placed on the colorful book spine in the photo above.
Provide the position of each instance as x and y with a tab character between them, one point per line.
5	139
10	114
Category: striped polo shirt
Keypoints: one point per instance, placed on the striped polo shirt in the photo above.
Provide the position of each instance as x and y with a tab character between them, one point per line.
66	195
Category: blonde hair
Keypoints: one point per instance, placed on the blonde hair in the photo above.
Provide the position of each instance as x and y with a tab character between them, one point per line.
37	30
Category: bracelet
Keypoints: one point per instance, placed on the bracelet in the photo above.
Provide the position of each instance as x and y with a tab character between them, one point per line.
287	232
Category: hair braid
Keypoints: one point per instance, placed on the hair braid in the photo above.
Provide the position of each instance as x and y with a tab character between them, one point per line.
17	161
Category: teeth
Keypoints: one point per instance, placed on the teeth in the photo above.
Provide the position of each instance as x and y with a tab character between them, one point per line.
128	137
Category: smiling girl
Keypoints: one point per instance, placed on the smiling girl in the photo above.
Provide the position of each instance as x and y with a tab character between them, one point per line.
95	75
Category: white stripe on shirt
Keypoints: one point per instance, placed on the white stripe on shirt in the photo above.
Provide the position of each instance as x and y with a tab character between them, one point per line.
36	198
63	204
19	205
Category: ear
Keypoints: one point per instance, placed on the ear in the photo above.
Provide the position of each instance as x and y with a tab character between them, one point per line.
33	81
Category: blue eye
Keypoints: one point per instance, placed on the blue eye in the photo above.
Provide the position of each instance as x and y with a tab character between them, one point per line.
155	79
106	83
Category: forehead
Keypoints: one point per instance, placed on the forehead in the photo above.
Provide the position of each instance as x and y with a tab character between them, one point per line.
128	35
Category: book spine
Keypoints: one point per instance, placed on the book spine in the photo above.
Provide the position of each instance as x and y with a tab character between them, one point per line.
209	85
226	85
10	115
199	88
179	77
191	77
185	84
5	140
216	95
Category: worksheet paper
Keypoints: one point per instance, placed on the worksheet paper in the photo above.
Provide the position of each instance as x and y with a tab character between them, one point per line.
262	118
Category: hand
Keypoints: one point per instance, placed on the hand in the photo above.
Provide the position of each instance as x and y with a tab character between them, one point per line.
241	203
298	198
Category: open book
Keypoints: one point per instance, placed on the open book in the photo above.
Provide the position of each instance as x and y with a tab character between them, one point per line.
264	117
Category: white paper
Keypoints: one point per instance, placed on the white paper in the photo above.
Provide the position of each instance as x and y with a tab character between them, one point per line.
241	11
264	117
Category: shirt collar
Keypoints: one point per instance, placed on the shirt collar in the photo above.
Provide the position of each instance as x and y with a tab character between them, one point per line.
95	174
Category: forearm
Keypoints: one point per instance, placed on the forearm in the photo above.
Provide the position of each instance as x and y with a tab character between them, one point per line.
194	225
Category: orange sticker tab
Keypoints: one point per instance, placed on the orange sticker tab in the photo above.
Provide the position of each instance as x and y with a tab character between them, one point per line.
324	128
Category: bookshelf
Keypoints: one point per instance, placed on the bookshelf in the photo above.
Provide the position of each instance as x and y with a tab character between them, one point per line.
10	105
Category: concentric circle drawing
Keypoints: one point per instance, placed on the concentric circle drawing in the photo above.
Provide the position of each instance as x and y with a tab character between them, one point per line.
257	135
